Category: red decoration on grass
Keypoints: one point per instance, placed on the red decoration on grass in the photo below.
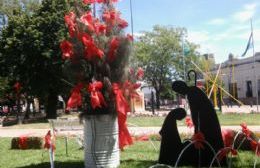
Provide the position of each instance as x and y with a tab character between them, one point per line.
255	147
48	141
245	130
228	137
225	151
23	142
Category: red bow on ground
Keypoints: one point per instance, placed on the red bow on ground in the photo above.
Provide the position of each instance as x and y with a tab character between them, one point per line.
23	142
255	147
48	143
245	130
122	108
96	97
225	151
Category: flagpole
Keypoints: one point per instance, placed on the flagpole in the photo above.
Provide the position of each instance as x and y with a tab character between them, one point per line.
132	22
256	81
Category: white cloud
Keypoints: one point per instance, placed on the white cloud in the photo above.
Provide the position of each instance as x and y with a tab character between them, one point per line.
137	35
198	37
217	21
246	14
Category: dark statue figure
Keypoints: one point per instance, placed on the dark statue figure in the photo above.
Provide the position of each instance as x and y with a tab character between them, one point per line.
171	144
205	120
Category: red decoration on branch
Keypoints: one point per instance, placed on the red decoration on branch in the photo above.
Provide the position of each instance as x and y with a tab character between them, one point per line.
70	21
17	87
91	50
75	99
96	98
122	108
114	44
67	49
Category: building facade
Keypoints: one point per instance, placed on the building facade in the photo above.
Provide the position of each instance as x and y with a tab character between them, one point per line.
241	78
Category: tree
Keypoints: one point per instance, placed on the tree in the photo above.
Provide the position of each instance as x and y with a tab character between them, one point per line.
12	7
31	53
160	54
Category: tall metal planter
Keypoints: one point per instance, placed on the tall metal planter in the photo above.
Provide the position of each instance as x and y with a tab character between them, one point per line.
101	141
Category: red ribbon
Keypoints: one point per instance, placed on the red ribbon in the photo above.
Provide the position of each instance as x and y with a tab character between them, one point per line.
198	138
48	143
75	99
96	97
22	142
122	108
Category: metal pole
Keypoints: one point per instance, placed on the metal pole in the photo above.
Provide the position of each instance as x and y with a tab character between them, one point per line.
183	57
132	22
256	81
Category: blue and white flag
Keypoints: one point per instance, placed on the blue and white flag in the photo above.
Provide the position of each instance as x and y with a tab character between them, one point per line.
249	44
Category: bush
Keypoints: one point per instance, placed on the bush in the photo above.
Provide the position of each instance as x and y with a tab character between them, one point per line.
26	143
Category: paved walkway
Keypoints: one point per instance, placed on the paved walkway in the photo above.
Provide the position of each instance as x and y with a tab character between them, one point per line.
10	132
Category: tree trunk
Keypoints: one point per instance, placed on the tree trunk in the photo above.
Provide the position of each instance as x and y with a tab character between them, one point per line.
51	107
157	94
27	111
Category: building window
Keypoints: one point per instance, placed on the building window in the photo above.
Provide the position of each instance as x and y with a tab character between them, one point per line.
249	92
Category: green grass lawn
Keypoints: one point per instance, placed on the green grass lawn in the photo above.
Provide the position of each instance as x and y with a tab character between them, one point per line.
139	155
225	119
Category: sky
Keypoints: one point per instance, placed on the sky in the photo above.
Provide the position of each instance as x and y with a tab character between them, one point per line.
217	26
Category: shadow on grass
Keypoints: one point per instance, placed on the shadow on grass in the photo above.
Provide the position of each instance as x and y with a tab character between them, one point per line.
69	164
79	164
137	163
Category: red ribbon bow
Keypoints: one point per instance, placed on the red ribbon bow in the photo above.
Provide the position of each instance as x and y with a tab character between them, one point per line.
225	151
198	138
122	108
75	99
255	147
245	130
96	97
48	144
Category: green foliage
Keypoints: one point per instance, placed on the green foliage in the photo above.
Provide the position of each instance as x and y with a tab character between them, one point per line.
160	54
14	7
30	51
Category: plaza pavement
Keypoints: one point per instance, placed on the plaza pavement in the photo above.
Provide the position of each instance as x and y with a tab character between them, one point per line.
11	132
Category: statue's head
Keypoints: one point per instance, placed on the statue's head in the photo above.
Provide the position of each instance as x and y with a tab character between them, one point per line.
180	87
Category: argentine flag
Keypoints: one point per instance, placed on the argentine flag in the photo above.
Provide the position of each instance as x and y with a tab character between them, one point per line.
249	44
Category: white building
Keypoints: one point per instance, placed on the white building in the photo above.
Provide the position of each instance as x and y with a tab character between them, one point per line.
238	76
